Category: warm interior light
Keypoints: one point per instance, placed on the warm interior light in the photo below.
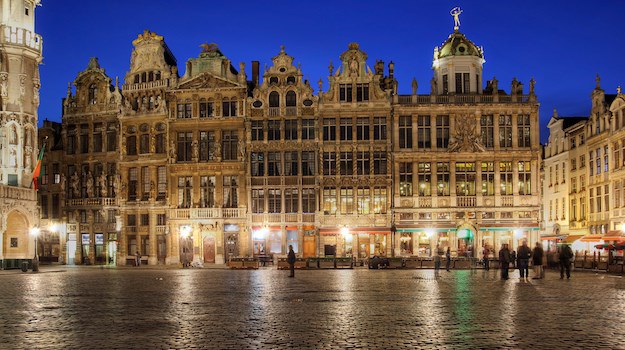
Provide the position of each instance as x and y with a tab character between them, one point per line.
344	231
185	231
34	231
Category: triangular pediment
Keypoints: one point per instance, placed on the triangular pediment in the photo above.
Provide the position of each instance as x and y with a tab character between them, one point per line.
207	81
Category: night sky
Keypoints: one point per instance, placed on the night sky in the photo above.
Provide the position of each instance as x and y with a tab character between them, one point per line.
562	44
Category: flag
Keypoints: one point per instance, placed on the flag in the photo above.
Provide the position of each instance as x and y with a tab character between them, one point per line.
37	171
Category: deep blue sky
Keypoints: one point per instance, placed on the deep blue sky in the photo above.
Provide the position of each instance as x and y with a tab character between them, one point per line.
562	44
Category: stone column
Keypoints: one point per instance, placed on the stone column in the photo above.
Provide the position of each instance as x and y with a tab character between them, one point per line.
152	255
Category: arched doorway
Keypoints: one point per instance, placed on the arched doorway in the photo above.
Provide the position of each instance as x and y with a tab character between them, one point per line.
465	234
209	249
16	240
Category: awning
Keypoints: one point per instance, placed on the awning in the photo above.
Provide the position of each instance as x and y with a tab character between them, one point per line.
613	236
591	238
572	238
551	237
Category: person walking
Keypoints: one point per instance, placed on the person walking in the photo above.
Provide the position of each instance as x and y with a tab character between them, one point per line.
523	260
566	254
137	258
448	256
485	254
291	260
504	261
537	260
437	260
513	258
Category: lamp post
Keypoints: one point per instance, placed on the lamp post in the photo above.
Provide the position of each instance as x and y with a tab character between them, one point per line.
185	231
35	232
346	236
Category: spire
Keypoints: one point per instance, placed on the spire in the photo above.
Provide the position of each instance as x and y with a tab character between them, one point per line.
598	80
93	63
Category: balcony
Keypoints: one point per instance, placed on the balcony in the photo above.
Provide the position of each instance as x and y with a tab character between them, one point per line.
291	111
444	99
20	193
20	36
355	220
208	213
507	201
148	85
465	202
274	111
276	218
81	202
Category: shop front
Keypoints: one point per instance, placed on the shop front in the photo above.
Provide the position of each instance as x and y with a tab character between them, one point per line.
359	242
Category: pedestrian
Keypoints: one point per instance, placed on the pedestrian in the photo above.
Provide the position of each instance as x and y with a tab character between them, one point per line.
485	254
291	260
448	256
566	254
523	260
504	261
137	258
513	258
537	260
437	260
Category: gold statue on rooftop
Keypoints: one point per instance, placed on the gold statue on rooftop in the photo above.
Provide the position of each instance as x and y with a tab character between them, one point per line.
206	47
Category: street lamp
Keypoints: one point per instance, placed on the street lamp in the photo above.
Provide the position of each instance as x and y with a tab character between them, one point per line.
35	232
185	232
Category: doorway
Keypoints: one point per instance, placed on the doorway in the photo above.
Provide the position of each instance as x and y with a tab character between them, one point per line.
209	250
112	252
309	246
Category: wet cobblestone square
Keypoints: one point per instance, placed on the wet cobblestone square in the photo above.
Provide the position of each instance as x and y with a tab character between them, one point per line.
324	309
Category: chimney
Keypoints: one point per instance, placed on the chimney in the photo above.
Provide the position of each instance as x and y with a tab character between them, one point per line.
255	68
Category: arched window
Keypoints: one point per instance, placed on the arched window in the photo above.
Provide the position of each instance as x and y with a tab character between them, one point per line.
291	99
158	75
144	77
274	99
273	81
136	79
150	76
290	80
93	92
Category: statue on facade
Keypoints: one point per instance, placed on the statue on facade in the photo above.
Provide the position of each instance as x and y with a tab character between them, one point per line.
152	190
13	158
4	84
74	184
241	149
27	158
195	149
63	181
89	176
455	13
172	152
117	184
415	86
217	152
495	85
433	87
532	84
353	66
102	182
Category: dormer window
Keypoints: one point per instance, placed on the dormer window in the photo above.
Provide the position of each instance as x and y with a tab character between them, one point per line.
273	81
290	80
26	10
93	91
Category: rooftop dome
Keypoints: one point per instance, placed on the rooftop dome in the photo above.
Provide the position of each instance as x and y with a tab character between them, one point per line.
458	45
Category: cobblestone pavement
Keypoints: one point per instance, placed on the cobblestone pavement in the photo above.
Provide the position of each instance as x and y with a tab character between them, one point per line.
75	308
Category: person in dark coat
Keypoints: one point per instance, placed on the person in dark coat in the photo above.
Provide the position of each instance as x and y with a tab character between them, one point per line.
537	260
523	260
291	260
485	253
566	254
448	256
513	258
504	261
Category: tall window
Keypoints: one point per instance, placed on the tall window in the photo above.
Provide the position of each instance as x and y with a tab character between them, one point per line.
290	129
132	184
345	92
84	138
329	129
258	163
606	166
329	200
274	164
290	163
185	189
258	201
308	163
230	187
308	129
229	144
379	163
363	194
291	200
93	94
505	178
379	128
97	145
462	83
362	129
145	183
379	200
573	210
347	163
160	142
185	110
207	191
309	200
347	200
525	178
43	202
162	183
505	131
273	130
346	129
329	163
488	131
488	178
405	132
524	130
206	109
445	84
229	108
144	143
442	179
465	179
425	179
405	179
274	200
207	146
291	99
71	144
111	137
363	163
131	145
274	99
442	131
362	92
185	141
424	135
257	130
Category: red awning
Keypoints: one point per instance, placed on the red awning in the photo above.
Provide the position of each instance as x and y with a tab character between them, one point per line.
613	235
591	238
551	238
572	238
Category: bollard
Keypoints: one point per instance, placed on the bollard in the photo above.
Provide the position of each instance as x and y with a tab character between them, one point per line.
24	266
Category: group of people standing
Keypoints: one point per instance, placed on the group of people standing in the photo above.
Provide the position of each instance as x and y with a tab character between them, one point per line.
522	257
